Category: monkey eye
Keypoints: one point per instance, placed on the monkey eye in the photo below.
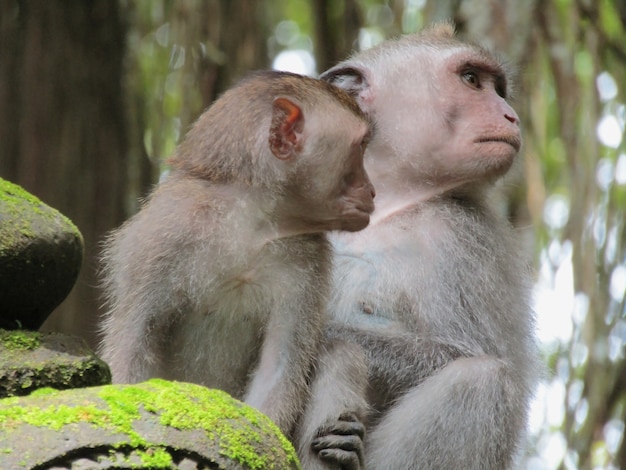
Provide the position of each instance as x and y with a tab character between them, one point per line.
362	145
471	78
501	88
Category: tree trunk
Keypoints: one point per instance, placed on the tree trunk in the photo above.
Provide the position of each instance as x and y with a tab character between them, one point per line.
336	31
62	124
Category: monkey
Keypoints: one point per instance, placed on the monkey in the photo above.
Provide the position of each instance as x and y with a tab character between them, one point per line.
222	276
434	291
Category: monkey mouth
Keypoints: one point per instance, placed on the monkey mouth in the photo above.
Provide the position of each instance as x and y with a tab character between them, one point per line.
513	141
365	211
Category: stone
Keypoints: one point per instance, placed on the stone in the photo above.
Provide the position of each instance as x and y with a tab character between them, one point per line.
30	360
41	252
152	425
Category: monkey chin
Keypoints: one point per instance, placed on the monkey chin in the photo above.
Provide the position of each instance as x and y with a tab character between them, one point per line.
354	224
496	157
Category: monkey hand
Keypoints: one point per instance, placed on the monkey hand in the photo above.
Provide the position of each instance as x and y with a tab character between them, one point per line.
341	442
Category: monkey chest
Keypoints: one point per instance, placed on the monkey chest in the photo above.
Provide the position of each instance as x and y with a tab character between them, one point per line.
219	349
221	338
380	275
373	287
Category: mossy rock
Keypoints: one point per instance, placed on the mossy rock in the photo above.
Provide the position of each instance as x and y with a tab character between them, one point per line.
30	360
156	424
41	252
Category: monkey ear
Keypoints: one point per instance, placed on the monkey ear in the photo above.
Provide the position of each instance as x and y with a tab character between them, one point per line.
348	78
286	129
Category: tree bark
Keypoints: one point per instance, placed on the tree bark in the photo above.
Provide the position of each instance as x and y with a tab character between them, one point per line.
62	124
336	31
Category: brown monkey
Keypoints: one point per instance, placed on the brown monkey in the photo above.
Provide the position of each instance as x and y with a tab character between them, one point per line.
221	278
434	291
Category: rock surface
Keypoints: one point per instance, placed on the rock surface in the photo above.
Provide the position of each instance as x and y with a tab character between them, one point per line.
30	360
41	253
155	424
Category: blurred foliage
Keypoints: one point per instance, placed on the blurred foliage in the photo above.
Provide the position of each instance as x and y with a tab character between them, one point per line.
569	196
166	53
576	129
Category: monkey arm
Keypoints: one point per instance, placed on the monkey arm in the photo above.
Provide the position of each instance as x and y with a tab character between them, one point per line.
279	386
357	365
331	431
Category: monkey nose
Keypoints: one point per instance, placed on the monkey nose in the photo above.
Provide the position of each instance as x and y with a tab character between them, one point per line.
512	119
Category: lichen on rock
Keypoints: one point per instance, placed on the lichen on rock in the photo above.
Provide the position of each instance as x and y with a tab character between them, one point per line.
41	253
155	424
30	360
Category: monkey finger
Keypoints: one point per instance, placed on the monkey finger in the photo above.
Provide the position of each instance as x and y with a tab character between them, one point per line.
346	460
346	424
348	443
343	428
349	416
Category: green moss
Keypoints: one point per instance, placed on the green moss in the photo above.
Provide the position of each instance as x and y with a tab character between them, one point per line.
124	409
156	458
53	417
17	208
186	406
43	391
20	340
9	191
35	360
179	405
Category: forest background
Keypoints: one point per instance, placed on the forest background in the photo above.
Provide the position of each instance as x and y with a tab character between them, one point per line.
95	94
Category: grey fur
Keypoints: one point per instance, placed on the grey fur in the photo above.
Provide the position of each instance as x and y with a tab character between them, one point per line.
437	294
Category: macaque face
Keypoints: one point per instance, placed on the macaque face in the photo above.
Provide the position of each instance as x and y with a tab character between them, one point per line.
351	192
330	189
440	113
449	113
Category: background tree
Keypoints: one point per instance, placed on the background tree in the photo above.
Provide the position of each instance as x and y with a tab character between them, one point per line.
62	123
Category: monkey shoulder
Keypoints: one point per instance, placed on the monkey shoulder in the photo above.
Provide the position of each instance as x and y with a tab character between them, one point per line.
188	226
304	257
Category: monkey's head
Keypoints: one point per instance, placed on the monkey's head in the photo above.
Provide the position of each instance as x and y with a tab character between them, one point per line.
439	106
297	139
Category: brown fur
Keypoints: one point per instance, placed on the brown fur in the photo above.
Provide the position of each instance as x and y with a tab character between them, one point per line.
221	278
